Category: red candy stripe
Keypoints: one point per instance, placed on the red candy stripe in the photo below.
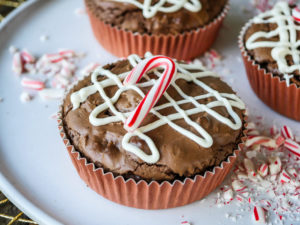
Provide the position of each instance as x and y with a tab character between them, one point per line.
296	14
292	146
286	132
32	84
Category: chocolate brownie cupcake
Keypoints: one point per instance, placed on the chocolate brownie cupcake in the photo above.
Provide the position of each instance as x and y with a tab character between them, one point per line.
270	48
188	139
183	30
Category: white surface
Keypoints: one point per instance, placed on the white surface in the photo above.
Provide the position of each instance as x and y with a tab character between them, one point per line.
35	170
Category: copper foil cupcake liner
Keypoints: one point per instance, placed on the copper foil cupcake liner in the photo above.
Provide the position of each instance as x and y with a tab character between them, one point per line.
185	46
153	195
269	88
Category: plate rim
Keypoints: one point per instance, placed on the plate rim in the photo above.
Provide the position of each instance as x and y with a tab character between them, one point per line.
6	187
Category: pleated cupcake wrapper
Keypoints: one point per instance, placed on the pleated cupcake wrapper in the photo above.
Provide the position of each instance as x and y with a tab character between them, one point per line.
145	195
184	46
268	87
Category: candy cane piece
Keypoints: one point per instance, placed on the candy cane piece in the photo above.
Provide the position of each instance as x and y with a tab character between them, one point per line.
238	186
54	58
67	53
275	165
284	177
51	93
259	214
32	84
263	170
260	140
27	56
228	195
292	171
287	133
160	86
296	14
273	131
17	65
292	146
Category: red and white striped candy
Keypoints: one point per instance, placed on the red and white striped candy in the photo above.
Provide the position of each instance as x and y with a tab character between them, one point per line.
296	14
17	65
275	165
292	172
273	130
160	86
228	194
54	58
32	84
259	214
51	93
279	140
292	146
263	170
286	132
27	56
238	186
284	177
260	140
67	53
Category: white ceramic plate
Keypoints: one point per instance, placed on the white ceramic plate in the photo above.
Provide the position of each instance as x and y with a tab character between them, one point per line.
35	170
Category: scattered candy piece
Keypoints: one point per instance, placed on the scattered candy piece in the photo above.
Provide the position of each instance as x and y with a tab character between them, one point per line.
238	186
259	214
284	177
292	172
228	195
185	223
296	14
17	65
51	93
292	146
32	84
263	170
249	166
275	165
27	56
287	133
25	97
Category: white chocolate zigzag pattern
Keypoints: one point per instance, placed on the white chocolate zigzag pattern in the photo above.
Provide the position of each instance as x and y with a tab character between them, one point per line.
287	33
150	10
188	72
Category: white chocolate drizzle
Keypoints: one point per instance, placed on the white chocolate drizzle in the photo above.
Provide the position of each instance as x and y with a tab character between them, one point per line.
286	31
188	72
150	10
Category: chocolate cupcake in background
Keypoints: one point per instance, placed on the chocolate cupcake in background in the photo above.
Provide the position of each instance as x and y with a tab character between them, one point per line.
184	30
181	152
270	45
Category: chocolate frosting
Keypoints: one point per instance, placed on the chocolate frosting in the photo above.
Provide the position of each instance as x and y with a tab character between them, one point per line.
179	156
263	56
129	17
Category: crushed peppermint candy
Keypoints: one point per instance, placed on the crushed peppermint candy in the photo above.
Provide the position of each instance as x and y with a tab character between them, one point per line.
267	184
49	75
25	97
